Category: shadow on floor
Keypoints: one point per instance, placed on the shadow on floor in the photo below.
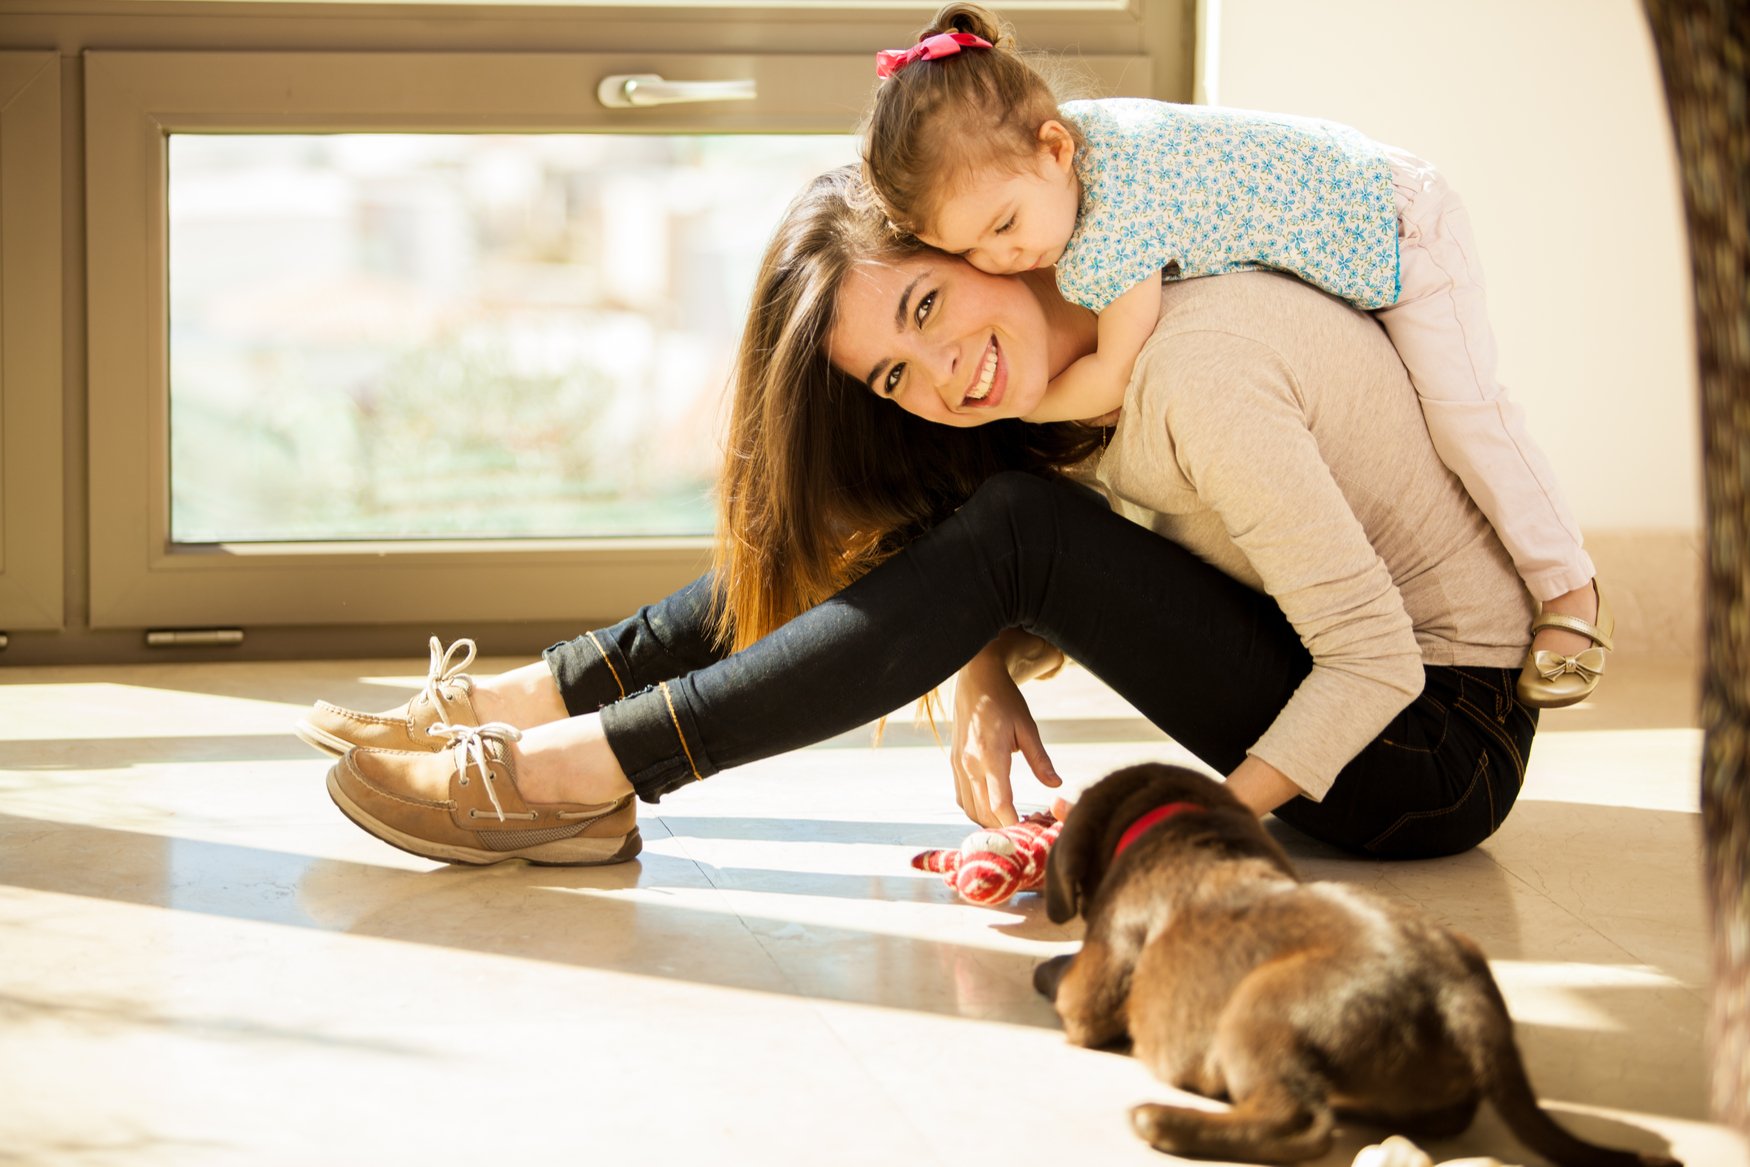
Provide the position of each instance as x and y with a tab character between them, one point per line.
584	917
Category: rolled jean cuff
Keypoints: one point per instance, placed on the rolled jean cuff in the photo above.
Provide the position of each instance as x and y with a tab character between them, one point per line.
656	740
590	670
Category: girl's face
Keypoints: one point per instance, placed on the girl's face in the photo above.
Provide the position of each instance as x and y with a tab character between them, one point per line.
942	340
1004	222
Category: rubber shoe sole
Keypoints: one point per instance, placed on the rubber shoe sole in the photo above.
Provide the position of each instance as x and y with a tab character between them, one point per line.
316	736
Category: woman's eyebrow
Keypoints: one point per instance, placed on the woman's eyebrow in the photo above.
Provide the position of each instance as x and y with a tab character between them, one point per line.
904	299
898	325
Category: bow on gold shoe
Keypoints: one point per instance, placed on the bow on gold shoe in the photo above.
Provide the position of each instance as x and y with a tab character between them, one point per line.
1550	680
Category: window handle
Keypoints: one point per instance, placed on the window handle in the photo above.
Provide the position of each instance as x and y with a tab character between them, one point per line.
632	90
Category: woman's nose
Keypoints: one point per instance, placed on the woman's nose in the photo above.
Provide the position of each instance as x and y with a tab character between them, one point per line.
943	363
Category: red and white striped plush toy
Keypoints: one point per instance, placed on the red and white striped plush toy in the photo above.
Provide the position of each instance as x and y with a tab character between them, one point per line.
991	866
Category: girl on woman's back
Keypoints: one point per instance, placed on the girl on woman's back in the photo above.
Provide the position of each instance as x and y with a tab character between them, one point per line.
967	148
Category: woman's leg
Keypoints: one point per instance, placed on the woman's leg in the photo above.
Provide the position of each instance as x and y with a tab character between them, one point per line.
659	642
1204	657
663	640
1210	659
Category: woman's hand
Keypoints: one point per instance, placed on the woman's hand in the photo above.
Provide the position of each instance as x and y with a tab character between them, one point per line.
991	722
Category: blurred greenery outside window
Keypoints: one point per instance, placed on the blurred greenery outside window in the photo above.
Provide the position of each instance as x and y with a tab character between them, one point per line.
441	336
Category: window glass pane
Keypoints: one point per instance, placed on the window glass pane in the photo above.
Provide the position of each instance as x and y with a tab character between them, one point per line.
441	336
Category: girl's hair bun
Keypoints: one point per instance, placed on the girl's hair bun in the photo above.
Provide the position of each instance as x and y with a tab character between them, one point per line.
972	18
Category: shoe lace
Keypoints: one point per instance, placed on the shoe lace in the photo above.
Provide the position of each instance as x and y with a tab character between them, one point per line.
443	672
468	747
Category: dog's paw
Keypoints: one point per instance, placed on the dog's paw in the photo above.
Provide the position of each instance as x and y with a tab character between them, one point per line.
1048	974
1158	1125
1396	1151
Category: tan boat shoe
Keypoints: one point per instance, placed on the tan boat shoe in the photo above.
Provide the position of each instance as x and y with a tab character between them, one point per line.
461	805
448	697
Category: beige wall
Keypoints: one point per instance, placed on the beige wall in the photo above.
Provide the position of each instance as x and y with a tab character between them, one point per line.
1549	118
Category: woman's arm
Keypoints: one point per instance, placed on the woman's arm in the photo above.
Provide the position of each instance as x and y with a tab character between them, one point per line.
992	722
1261	786
1227	416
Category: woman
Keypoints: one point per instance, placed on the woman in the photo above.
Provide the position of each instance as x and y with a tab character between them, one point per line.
1331	623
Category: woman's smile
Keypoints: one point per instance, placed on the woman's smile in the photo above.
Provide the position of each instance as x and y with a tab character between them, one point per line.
992	379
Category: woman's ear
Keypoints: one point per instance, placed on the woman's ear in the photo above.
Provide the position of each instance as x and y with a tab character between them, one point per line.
1058	145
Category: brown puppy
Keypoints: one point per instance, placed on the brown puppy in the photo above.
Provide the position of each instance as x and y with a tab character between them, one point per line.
1297	1001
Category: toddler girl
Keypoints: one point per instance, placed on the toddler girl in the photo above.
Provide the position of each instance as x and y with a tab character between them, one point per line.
969	151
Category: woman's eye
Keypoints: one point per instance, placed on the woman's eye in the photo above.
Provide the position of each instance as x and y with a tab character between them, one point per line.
925	307
890	385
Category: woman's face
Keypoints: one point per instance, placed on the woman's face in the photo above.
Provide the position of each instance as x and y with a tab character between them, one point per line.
943	340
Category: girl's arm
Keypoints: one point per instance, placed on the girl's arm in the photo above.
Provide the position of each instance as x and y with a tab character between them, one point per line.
1095	384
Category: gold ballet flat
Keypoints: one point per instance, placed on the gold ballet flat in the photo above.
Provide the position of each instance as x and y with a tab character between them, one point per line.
1550	680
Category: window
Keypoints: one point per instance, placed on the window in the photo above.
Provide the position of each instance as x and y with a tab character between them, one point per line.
424	337
445	336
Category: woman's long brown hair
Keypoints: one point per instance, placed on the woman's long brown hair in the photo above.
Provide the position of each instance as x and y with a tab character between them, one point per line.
821	479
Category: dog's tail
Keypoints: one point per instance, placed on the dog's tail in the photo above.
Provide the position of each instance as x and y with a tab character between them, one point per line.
1255	1130
1476	1015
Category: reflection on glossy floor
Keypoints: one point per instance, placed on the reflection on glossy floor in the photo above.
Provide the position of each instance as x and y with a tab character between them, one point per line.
206	964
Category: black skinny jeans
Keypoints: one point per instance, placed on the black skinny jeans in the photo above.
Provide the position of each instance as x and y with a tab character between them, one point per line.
1202	656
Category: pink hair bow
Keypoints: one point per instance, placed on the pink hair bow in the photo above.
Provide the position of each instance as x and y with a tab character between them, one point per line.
943	44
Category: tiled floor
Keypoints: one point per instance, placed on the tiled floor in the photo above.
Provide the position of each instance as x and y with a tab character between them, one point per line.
204	963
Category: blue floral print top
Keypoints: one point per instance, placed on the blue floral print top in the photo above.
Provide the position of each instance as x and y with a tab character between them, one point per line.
1221	190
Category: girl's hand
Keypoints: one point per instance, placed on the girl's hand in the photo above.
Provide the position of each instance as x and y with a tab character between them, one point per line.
991	722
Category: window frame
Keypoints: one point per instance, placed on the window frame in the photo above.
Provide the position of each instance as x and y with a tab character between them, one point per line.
134	100
31	499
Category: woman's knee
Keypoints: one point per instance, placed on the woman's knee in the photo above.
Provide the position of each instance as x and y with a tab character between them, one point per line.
1010	492
1014	502
1000	547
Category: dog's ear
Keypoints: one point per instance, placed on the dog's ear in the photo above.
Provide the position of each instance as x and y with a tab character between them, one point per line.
1078	860
1063	870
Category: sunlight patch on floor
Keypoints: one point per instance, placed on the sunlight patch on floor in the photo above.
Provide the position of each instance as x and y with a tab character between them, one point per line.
1650	769
1556	993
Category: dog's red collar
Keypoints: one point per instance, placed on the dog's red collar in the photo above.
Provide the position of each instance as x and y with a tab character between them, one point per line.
1159	814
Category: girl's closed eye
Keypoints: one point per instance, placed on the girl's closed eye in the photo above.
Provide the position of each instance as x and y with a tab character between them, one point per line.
1007	226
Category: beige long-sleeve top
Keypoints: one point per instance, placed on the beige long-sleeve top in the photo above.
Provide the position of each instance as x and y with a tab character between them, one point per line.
1271	430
